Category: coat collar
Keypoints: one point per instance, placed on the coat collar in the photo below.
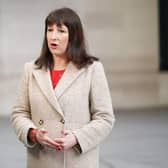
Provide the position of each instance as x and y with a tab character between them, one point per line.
44	81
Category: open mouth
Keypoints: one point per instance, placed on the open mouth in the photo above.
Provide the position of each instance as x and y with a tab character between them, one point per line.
53	45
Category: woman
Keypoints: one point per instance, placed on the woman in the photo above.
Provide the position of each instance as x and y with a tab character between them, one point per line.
63	109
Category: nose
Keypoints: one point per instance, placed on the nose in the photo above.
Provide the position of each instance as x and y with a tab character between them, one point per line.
55	35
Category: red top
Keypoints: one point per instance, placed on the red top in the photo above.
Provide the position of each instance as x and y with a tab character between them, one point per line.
55	76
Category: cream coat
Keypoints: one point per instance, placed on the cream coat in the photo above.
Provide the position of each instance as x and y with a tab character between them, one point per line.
81	103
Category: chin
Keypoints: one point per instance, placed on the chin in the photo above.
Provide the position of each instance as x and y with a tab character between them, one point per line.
58	54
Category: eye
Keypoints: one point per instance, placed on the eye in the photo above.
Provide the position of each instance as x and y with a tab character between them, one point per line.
62	30
49	29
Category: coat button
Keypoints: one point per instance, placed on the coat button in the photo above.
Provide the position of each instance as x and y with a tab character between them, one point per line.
41	122
62	121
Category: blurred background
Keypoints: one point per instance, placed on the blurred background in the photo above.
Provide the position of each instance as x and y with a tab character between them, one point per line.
131	39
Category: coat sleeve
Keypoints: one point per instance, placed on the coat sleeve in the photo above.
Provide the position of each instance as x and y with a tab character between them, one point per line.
21	116
102	116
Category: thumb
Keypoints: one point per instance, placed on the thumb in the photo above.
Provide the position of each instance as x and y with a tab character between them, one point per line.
65	132
44	131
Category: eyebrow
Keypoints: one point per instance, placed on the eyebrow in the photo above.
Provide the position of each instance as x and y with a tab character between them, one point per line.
58	25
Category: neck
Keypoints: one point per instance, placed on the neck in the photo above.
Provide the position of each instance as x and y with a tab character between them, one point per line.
60	62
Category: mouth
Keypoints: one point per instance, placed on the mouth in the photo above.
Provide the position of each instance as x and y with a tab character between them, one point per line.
53	45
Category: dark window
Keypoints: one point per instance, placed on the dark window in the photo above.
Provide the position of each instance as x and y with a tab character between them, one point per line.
163	31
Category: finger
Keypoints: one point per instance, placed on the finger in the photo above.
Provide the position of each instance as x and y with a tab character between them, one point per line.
51	145
66	132
60	148
59	140
41	132
45	139
62	145
50	140
62	131
44	131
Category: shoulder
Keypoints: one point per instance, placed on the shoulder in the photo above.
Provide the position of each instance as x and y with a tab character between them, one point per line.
28	66
96	66
98	71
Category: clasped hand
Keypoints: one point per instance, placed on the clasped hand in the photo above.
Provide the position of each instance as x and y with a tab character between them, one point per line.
67	141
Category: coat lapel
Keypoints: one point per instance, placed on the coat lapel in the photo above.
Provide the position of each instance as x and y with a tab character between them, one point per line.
71	73
43	79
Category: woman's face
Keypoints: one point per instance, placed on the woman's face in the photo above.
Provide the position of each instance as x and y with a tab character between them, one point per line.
57	39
